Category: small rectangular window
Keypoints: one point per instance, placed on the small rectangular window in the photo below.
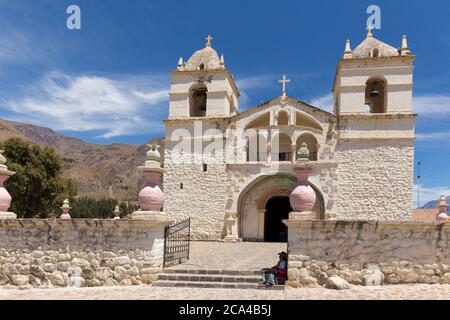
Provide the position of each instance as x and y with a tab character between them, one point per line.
205	167
181	186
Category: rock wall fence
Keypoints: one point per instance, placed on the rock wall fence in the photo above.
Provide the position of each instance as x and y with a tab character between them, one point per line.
79	253
367	253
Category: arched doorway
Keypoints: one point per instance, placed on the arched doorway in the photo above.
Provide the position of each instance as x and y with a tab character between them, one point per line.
277	210
254	198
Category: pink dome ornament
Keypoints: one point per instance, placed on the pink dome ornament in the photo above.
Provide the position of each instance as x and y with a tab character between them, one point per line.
5	197
303	198
151	198
442	215
65	210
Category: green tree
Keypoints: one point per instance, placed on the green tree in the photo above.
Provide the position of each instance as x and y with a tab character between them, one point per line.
38	188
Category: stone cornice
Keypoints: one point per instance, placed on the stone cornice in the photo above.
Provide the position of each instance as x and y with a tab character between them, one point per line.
193	119
206	73
377	116
378	138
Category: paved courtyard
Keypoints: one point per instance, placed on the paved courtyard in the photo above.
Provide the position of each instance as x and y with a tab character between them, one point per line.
399	292
232	256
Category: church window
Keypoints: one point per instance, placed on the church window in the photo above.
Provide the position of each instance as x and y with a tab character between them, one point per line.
205	167
312	144
181	186
375	96
375	53
197	101
201	66
283	118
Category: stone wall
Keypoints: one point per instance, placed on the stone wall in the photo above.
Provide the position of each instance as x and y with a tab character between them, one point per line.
375	180
78	253
202	198
368	253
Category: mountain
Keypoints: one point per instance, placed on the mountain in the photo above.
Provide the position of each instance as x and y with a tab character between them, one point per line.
98	170
433	204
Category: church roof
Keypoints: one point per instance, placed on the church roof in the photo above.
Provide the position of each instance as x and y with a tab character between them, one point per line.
371	47
365	48
207	57
292	100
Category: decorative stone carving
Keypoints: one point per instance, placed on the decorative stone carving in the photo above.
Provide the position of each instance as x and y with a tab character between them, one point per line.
303	197
116	213
5	197
230	221
151	198
442	207
66	210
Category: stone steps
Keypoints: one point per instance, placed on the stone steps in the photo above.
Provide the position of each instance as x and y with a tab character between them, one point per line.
202	278
214	272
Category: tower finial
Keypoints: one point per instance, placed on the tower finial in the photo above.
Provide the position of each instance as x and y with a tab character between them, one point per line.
369	30
208	40
222	61
180	65
404	50
348	50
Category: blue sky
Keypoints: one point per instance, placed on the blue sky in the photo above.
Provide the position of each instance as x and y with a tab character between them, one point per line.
108	82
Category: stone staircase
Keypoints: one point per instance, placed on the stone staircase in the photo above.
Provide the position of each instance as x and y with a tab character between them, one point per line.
229	279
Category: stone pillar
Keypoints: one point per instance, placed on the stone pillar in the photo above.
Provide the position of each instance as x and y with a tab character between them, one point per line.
65	210
151	198
5	197
261	218
269	153
230	222
442	207
303	198
293	152
116	213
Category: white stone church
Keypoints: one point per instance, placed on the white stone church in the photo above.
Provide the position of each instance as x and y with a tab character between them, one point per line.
363	151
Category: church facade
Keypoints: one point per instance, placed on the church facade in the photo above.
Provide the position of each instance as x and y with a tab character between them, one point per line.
226	167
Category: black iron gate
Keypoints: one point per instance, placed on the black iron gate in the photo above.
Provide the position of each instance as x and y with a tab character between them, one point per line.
176	243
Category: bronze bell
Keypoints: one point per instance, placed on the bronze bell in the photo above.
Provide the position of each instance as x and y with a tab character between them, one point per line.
374	93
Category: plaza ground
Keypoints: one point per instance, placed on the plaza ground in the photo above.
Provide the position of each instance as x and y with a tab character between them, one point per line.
397	292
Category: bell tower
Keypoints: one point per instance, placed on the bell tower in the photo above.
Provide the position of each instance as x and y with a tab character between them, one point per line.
203	87
374	78
375	131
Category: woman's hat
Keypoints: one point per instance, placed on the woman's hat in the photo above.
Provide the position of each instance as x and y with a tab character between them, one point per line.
282	253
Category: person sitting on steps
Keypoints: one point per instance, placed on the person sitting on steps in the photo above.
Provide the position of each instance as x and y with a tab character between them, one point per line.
278	273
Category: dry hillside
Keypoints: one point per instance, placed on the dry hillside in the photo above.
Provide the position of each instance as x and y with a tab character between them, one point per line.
97	169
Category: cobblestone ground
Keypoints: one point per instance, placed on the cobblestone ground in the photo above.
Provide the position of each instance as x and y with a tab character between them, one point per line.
399	292
232	256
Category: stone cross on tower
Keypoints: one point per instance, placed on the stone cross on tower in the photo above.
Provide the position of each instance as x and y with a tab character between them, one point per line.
208	40
369	30
283	82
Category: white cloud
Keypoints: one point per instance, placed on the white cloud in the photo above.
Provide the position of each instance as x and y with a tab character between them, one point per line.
432	105
325	102
428	194
112	106
433	136
245	85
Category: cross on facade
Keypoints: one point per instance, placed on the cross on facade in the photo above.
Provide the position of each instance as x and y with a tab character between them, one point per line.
283	82
208	40
369	30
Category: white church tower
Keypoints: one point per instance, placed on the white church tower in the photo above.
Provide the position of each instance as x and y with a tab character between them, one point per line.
203	98
373	103
203	87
